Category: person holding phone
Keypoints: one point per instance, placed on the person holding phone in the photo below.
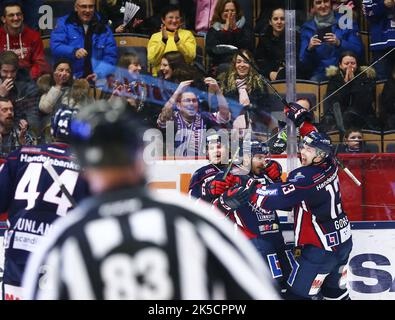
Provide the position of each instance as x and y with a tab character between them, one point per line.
325	37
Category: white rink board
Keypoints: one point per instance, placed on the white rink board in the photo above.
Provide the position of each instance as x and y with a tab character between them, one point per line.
372	265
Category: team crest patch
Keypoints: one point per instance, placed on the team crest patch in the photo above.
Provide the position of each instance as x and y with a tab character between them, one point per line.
332	239
274	264
298	176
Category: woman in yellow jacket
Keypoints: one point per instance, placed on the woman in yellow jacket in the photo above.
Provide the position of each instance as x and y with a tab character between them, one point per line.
170	38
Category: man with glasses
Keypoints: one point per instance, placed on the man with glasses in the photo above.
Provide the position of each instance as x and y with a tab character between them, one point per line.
84	39
189	123
25	42
171	37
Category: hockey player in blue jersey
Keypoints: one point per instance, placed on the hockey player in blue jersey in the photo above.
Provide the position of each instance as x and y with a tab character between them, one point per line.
33	200
322	230
260	225
218	155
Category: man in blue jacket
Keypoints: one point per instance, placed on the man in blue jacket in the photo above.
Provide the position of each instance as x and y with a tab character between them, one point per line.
325	37
381	18
86	41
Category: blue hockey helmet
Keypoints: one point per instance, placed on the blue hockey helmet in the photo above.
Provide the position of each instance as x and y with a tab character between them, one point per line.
259	147
61	122
319	141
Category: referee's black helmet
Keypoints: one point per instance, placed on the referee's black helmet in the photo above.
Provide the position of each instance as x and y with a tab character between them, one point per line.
106	135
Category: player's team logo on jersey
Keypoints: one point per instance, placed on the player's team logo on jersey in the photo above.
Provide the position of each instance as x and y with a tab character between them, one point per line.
298	176
264	192
274	264
332	239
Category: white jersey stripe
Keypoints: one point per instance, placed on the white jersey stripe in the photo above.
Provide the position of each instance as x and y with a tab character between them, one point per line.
320	233
153	218
192	261
78	283
298	225
103	235
46	289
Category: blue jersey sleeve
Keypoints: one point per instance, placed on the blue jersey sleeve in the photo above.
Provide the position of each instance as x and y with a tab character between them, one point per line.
7	180
297	188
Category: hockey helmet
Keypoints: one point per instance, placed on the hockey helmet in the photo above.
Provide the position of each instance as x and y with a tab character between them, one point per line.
319	141
105	135
259	147
61	122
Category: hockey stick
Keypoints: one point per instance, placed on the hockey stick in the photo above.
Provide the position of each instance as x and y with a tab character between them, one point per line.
345	169
48	166
348	172
231	163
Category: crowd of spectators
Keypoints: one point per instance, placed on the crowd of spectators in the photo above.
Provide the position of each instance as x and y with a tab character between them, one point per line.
225	92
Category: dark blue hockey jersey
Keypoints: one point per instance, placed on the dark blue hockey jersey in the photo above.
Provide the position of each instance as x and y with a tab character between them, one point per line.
313	193
254	220
31	197
199	180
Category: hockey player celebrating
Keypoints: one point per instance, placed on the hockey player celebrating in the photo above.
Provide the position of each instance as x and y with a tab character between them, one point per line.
218	155
322	230
261	226
127	242
32	198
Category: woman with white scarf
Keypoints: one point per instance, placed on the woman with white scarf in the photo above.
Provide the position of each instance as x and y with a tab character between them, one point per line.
247	96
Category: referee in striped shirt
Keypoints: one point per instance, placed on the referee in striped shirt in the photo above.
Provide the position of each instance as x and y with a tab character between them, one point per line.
127	242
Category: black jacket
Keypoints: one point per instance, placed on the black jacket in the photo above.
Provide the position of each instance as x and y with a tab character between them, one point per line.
242	38
270	54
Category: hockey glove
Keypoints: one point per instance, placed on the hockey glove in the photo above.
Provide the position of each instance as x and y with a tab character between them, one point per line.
279	144
273	170
297	114
236	197
216	187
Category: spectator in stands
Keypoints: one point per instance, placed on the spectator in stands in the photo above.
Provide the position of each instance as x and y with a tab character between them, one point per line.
270	52
128	84
19	38
354	142
171	38
56	88
174	68
112	12
247	95
187	9
228	27
13	133
381	17
325	37
267	7
169	63
22	91
388	103
356	99
84	39
190	123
